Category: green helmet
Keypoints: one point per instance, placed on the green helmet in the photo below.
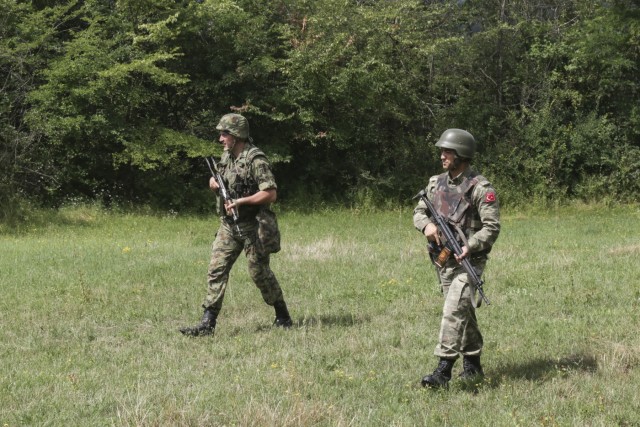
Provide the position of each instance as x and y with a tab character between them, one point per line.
235	124
461	141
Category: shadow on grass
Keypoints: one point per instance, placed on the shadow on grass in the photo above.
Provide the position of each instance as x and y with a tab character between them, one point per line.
330	320
541	369
340	320
544	369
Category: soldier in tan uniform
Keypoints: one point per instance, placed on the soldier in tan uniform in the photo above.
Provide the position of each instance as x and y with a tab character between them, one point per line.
247	175
467	200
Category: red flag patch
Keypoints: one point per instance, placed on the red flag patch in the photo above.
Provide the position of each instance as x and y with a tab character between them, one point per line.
490	197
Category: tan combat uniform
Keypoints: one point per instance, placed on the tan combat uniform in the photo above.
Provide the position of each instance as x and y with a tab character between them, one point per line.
459	331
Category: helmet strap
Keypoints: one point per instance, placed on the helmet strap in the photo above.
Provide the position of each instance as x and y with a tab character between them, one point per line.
235	141
457	162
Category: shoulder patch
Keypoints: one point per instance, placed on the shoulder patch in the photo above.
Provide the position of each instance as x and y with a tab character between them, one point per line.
490	197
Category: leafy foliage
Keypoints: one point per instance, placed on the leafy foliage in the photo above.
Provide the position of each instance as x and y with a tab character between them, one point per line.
28	41
118	100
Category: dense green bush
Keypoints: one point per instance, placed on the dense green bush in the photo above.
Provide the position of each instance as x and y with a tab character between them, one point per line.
118	101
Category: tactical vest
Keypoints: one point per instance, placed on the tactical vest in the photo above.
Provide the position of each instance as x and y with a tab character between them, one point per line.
239	180
456	204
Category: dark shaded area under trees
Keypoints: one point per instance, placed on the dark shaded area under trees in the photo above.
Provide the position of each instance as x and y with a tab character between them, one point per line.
117	101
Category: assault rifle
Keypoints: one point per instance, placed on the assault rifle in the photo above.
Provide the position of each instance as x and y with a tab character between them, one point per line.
451	245
224	193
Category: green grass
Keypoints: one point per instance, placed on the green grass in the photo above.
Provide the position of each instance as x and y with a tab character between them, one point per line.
92	302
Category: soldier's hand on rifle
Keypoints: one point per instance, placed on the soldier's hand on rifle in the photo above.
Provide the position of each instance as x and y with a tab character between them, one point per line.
230	205
431	232
463	255
213	184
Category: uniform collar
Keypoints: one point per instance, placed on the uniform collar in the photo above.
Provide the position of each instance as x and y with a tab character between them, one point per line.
457	180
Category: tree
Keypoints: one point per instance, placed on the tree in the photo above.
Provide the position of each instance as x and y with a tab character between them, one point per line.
119	100
29	38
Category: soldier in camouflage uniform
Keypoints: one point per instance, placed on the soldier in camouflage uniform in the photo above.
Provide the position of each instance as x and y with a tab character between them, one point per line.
251	184
467	200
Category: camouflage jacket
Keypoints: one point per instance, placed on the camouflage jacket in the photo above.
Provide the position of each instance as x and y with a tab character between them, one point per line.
480	221
245	175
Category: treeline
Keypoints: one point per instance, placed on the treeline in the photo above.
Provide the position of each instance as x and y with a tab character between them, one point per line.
117	100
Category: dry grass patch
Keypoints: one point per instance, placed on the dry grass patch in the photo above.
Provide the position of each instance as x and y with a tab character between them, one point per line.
619	357
327	249
625	250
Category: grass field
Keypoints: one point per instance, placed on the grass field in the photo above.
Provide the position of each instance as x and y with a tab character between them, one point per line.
92	302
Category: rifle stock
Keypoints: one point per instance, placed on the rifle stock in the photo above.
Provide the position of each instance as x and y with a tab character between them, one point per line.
451	245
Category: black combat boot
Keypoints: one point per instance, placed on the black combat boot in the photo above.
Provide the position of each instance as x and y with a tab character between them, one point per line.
471	368
206	327
441	376
282	315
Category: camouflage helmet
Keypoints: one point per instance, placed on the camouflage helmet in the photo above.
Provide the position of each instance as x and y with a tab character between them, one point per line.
461	141
235	124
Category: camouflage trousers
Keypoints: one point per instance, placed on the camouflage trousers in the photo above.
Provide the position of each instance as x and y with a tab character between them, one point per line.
225	250
459	331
